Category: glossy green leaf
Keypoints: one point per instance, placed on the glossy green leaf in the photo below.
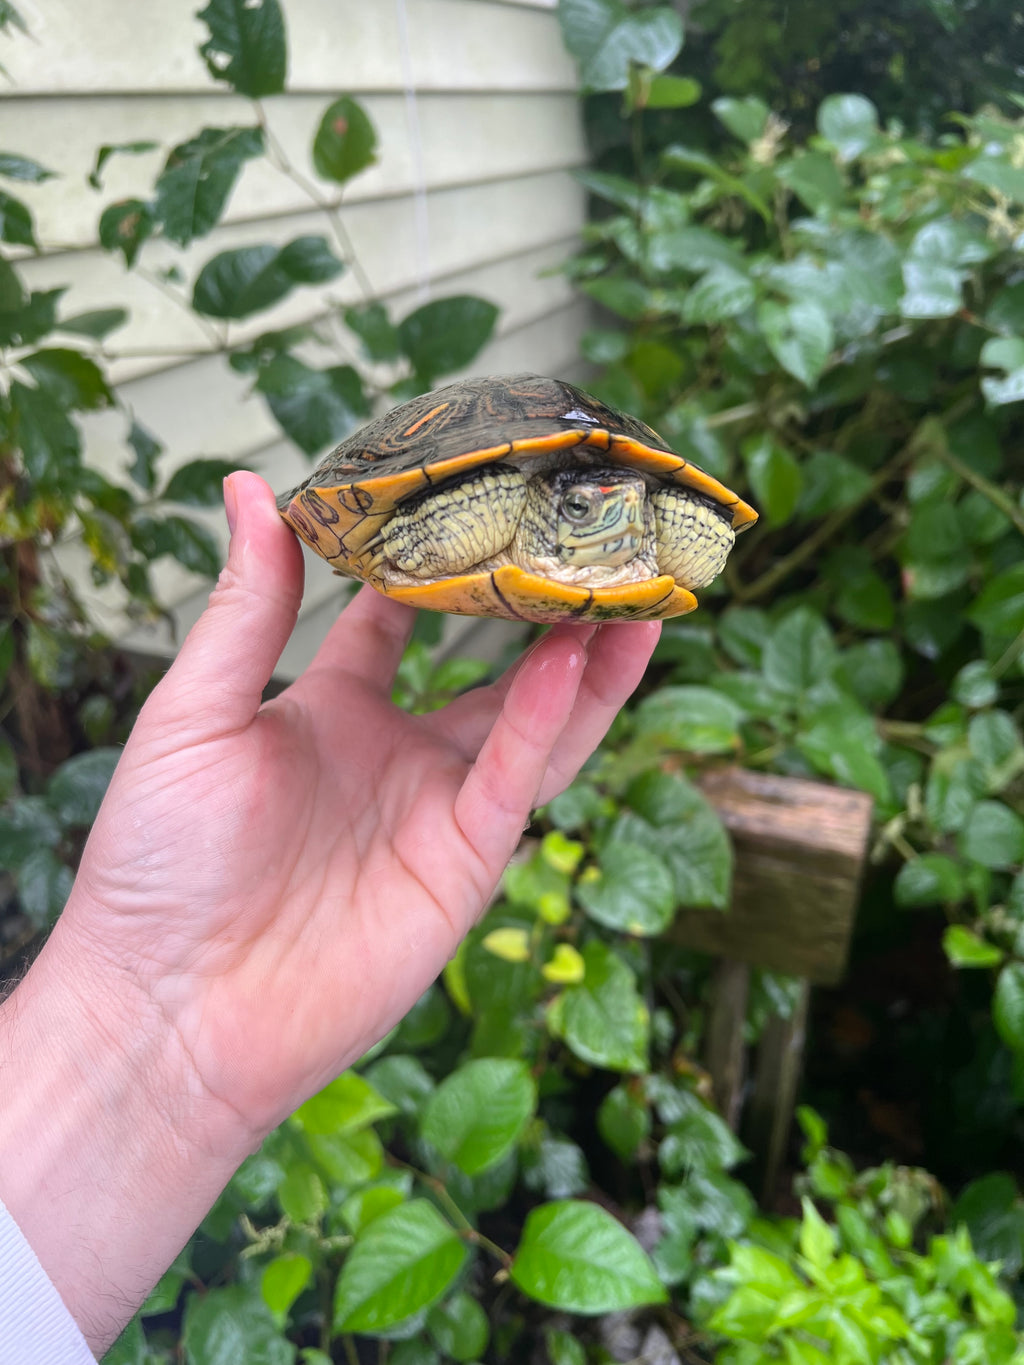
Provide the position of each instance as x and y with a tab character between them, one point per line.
199	483
697	719
775	479
124	227
872	670
800	337
43	884
374	328
345	1105
75	790
843	743
974	685
16	167
69	377
849	122
719	294
302	1194
993	835
671	92
345	142
247	46
633	890
606	38
283	1280
460	1327
604	1020
370	1202
932	289
624	1121
316	408
576	1257
478	1113
192	545
992	1210
931	879
98	323
15	222
402	1263
245	280
147	450
994	739
228	1325
193	189
745	118
1008	1005
966	949
447	334
799	652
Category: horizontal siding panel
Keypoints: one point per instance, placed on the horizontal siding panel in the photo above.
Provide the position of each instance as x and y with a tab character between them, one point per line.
465	225
463	139
109	45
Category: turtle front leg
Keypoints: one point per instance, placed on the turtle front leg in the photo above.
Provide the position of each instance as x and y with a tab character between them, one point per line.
694	537
449	529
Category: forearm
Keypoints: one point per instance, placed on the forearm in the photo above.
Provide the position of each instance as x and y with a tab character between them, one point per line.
107	1161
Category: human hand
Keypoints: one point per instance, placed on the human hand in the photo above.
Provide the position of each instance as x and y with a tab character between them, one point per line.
268	889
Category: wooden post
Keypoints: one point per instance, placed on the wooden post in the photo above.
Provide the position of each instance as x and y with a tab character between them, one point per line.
800	850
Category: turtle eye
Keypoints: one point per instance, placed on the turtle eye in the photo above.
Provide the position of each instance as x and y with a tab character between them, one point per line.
576	505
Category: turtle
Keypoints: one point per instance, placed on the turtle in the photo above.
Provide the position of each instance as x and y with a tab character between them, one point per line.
520	497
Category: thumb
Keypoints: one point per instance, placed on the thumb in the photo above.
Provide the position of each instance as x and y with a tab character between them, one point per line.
218	678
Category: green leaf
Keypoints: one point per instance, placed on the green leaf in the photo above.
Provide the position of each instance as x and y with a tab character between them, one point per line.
993	835
697	719
606	38
192	545
26	826
24	320
224	1326
110	149
994	1215
12	292
576	1257
15	222
447	334
998	610
196	182
147	449
345	142
932	289
931	879
1008	1005
75	790
873	671
624	1121
16	167
370	1202
283	1280
849	122
744	118
633	891
71	378
97	323
302	1194
460	1327
817	1239
43	885
974	685
245	280
346	1105
719	294
619	293
842	742
799	336
671	92
1006	354
200	483
316	408
124	227
994	740
604	1020
775	479
965	949
478	1113
799	652
402	1263
246	47
815	179
374	328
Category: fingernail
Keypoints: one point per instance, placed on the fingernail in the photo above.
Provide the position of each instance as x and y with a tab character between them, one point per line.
230	505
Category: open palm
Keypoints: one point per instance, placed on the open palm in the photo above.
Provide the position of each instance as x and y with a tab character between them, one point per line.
283	881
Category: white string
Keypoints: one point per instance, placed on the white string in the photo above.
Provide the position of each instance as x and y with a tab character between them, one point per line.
421	218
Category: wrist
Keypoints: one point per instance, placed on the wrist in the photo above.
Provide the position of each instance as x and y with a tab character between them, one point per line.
108	1155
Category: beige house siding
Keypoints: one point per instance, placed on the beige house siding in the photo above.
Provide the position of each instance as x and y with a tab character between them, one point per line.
474	102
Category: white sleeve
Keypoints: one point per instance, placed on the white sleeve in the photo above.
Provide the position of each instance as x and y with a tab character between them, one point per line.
35	1327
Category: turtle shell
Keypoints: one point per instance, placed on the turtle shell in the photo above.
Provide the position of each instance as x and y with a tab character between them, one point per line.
429	440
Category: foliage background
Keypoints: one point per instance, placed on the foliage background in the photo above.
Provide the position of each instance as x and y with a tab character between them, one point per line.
809	279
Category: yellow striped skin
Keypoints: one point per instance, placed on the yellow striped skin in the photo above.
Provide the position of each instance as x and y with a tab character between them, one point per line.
520	424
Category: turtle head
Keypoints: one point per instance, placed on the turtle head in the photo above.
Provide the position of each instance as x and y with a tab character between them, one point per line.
599	516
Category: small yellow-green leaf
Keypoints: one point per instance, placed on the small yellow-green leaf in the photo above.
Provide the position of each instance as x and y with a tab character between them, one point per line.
565	965
511	945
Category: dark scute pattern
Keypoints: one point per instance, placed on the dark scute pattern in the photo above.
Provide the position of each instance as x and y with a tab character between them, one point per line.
475	414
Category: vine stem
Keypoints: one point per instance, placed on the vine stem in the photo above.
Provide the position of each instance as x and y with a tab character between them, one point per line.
995	495
465	1227
279	159
820	537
